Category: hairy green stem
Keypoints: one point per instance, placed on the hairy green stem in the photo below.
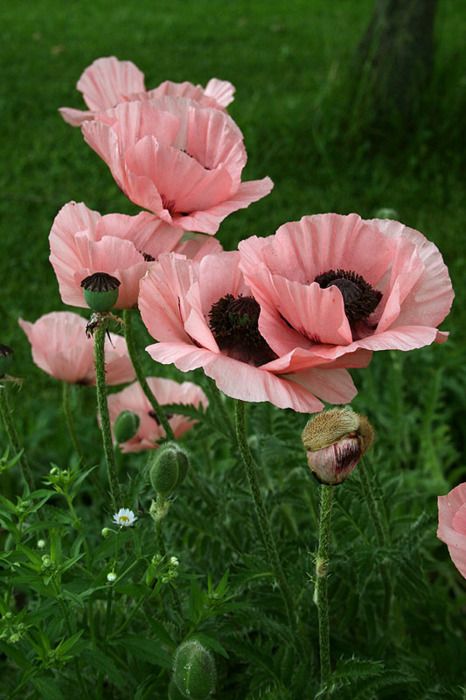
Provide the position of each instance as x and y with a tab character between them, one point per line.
102	406
321	584
69	420
382	537
7	418
132	351
265	530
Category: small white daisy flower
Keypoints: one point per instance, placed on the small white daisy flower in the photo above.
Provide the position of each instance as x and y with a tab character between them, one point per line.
111	577
124	518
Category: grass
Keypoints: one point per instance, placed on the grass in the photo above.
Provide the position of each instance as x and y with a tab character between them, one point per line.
297	104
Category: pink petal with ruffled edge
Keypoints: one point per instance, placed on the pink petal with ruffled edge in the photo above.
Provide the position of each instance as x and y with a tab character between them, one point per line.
60	346
198	246
183	184
221	91
450	530
118	366
209	221
107	81
75	117
166	391
77	252
431	297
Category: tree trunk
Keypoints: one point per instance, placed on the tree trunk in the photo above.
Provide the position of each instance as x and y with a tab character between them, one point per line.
396	56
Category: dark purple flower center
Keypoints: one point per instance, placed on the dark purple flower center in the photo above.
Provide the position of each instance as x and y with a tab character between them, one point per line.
360	298
100	282
234	323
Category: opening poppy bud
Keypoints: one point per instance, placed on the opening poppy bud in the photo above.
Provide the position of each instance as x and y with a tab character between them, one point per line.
126	426
169	467
194	671
6	359
335	441
100	291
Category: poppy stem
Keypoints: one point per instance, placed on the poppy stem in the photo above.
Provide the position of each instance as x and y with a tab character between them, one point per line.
7	418
321	581
133	354
265	531
102	407
70	421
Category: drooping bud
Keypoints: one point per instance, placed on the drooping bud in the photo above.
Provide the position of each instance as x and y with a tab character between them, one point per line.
126	426
169	467
194	671
6	359
335	441
100	291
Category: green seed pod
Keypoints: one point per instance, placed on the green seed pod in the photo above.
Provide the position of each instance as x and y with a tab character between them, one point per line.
386	213
126	426
169	467
6	359
194	670
100	291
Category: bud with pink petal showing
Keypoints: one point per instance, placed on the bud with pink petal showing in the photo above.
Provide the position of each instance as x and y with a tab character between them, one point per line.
335	441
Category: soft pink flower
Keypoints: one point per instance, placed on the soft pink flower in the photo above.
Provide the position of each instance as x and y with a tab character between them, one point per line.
108	81
166	391
61	348
452	525
181	161
82	242
203	314
330	285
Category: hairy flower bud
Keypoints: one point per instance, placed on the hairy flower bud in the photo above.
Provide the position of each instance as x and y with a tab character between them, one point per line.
335	441
126	426
194	671
169	467
100	291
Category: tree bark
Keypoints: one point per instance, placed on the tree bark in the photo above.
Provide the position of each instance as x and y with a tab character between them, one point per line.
396	56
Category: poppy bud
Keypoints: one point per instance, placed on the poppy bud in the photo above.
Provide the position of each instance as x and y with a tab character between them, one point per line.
335	441
169	467
126	426
100	291
194	671
6	359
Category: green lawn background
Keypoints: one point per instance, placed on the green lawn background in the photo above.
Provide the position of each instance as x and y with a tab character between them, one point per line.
291	63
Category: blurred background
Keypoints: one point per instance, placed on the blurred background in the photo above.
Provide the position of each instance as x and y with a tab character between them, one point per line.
347	108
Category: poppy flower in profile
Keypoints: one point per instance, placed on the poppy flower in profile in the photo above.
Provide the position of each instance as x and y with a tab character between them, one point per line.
452	525
331	285
181	161
61	348
84	243
204	315
149	431
109	81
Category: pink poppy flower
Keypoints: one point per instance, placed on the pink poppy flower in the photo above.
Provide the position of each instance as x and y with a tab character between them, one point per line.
452	525
82	242
203	315
331	284
166	391
108	81
61	348
181	161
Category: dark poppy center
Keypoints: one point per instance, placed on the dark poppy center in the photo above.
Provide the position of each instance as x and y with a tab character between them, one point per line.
360	298
234	322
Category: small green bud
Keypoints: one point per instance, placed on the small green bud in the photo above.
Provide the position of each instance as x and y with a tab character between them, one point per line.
174	693
6	359
105	532
194	670
100	291
386	213
126	426
169	467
